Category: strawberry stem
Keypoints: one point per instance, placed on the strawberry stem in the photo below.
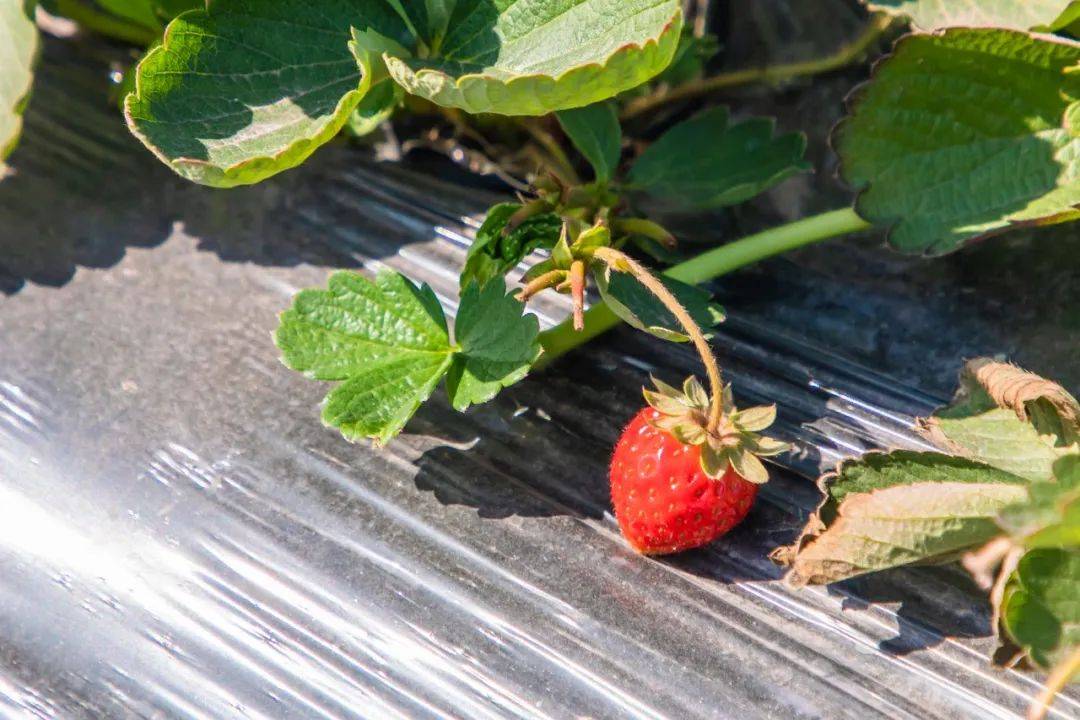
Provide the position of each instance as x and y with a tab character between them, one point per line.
845	55
1058	679
621	262
577	292
545	281
599	318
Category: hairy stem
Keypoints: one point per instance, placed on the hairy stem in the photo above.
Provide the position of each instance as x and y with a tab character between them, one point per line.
539	284
599	318
1058	679
577	292
103	23
560	164
845	55
621	262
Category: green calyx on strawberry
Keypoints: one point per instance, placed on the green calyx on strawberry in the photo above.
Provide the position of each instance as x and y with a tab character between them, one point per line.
675	485
736	442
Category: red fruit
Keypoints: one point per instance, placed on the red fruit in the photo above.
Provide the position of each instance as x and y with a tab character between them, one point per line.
663	499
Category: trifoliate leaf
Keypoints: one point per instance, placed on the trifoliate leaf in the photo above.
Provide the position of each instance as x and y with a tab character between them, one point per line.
885	510
1008	418
18	51
706	163
936	14
1050	517
1040	609
962	134
376	108
496	251
247	88
387	341
532	57
498	344
595	132
640	309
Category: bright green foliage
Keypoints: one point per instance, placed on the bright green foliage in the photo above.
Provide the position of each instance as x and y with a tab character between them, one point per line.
886	510
496	251
594	130
18	50
1040	609
376	108
388	343
497	344
387	340
706	163
935	14
142	12
1068	22
530	57
248	88
963	134
1050	517
150	14
639	308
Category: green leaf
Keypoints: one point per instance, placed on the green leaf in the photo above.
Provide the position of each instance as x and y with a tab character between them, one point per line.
706	163
532	57
936	14
387	340
498	344
376	108
1050	517
248	88
1068	22
495	252
168	9
18	51
141	12
640	309
691	56
594	130
1040	608
886	510
1008	418
962	134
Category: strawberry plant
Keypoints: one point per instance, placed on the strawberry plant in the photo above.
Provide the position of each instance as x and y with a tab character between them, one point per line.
1002	492
966	129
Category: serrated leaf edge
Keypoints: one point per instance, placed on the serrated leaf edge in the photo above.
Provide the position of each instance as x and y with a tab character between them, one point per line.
444	79
245	172
856	95
815	527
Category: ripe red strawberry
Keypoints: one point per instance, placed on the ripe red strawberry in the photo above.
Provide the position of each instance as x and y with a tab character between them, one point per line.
675	493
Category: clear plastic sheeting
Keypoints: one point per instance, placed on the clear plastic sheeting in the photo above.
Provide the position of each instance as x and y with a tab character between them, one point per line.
181	538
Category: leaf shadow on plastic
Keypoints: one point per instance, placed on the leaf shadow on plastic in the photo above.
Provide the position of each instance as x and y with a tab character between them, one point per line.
67	207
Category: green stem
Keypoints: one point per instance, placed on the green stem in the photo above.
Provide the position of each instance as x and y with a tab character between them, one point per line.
845	55
103	24
599	318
